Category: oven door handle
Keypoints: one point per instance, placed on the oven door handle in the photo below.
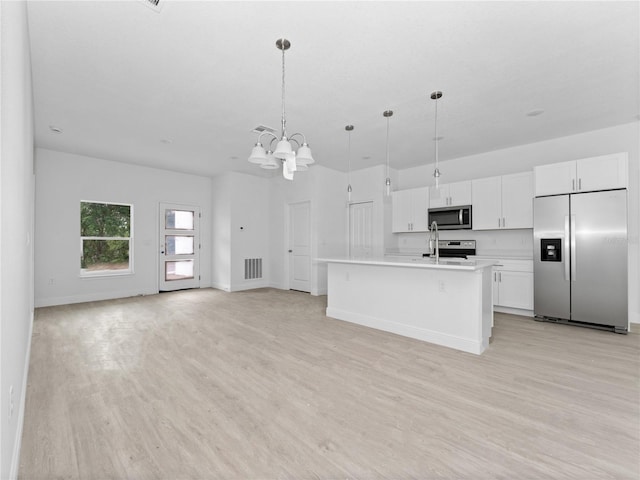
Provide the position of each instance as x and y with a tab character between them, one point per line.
460	216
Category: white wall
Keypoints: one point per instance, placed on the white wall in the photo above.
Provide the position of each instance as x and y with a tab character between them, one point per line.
240	211
16	227
249	228
221	232
63	180
331	218
622	138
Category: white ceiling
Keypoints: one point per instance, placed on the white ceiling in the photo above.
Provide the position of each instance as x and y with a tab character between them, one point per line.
119	77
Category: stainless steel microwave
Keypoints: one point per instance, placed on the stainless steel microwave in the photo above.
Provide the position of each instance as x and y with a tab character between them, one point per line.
451	218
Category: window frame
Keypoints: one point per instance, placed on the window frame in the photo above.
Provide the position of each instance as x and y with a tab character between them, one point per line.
107	273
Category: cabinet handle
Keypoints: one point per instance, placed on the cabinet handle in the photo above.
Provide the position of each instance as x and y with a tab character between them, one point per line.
573	185
500	277
498	222
579	184
495	276
504	223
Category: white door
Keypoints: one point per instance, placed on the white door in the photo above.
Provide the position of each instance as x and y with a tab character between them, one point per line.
361	229
179	247
300	247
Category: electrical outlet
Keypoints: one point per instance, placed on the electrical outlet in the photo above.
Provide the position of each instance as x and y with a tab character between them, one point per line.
51	281
441	286
11	401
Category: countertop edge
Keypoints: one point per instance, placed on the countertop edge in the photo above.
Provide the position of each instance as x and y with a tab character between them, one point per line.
478	264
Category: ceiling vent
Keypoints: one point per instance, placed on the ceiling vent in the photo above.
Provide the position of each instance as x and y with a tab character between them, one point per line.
155	5
262	128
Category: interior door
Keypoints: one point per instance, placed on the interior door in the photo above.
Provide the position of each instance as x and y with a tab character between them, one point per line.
300	247
361	229
179	247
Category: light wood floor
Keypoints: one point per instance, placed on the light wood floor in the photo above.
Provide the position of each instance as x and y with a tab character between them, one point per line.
205	384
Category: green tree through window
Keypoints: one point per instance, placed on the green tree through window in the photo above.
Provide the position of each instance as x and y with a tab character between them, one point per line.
105	232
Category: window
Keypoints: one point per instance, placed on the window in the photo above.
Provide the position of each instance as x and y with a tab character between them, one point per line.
105	238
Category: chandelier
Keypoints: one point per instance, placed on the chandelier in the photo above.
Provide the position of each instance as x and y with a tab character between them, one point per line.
284	154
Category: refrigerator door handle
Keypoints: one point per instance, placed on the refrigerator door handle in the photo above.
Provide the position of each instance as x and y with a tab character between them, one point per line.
565	247
573	249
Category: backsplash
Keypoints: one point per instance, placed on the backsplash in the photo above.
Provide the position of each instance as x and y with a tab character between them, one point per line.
512	243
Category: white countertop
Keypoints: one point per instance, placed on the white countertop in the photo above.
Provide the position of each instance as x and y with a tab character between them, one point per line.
426	263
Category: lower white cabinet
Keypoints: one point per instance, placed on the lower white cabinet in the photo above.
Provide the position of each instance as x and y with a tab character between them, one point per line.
513	284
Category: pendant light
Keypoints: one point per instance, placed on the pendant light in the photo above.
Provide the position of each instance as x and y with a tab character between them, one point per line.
387	183
284	154
436	172
349	129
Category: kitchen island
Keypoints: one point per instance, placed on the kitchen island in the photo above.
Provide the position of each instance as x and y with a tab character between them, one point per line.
447	303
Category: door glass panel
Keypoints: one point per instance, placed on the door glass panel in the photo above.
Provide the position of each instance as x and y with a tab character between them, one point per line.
179	220
178	270
179	244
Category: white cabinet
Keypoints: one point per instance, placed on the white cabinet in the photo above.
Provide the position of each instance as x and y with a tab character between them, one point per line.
409	210
503	202
450	194
585	175
513	284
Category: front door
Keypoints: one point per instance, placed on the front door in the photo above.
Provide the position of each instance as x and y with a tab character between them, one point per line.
300	247
179	247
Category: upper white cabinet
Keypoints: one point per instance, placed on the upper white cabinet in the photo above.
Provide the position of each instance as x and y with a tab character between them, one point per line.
450	194
585	175
409	210
503	202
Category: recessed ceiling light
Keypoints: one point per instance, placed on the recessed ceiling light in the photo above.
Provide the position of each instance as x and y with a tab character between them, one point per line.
55	129
535	113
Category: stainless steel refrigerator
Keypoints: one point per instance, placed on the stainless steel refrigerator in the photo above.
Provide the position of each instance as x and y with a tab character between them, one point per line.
580	259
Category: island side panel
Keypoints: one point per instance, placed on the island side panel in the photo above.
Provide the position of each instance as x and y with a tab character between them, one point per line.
446	307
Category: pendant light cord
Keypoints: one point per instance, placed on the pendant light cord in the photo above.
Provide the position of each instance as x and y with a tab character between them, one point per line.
349	158
284	131
435	135
387	147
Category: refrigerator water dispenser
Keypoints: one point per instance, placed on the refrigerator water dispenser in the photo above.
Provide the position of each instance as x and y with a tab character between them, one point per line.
550	249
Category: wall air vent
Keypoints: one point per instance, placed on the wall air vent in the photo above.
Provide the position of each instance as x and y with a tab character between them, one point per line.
263	128
252	268
155	5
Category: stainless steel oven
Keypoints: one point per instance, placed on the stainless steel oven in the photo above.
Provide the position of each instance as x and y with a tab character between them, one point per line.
451	218
455	248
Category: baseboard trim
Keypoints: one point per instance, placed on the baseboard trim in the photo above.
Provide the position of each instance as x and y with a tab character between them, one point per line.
91	297
513	311
15	459
465	344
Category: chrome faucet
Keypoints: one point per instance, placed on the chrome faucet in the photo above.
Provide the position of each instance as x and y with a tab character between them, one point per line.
434	239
